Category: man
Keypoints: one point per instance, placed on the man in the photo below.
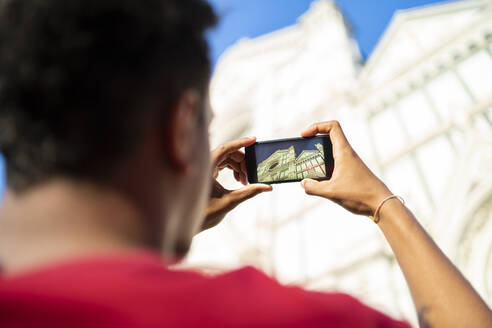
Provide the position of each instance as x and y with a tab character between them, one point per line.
103	125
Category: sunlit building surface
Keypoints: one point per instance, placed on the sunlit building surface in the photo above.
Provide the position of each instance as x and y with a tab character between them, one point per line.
419	112
284	165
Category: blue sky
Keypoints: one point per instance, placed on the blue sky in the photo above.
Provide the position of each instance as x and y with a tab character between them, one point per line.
263	151
2	177
251	18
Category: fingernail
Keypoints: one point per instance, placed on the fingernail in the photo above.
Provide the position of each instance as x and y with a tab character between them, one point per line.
265	185
303	182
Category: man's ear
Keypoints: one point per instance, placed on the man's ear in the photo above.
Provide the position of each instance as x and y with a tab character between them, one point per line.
182	132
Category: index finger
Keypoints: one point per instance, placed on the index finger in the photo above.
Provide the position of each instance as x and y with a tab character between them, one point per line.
332	128
221	152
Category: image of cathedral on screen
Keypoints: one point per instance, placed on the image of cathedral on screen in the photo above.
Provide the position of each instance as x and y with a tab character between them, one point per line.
283	165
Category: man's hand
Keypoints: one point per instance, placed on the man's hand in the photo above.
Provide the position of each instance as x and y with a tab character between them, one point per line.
352	184
222	200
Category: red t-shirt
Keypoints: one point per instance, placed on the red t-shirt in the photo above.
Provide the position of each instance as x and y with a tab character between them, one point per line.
137	290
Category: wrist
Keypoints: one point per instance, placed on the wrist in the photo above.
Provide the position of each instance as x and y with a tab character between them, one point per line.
378	196
391	209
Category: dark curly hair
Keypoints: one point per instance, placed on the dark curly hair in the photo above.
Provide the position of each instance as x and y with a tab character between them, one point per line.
74	74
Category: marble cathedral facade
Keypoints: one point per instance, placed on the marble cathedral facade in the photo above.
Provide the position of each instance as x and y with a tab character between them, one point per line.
419	112
284	165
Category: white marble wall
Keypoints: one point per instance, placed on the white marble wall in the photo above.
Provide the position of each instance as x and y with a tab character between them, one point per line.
419	112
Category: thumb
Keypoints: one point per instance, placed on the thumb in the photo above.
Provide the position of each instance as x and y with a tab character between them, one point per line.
240	195
313	187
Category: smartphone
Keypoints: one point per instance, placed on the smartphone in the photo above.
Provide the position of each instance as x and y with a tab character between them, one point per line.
290	160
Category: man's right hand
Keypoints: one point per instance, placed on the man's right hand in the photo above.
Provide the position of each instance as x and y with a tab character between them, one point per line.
352	184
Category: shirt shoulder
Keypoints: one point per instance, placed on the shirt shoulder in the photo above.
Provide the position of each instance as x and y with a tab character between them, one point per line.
263	299
141	291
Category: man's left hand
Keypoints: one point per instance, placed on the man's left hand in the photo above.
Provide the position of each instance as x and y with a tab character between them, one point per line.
222	200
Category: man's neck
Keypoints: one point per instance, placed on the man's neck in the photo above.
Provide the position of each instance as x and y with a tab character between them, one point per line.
62	220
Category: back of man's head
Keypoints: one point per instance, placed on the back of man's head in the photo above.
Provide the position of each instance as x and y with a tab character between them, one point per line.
74	75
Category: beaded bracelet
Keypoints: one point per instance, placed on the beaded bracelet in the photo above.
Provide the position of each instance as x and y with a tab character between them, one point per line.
376	217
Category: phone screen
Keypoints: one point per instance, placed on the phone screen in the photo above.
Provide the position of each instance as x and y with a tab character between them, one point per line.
290	160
